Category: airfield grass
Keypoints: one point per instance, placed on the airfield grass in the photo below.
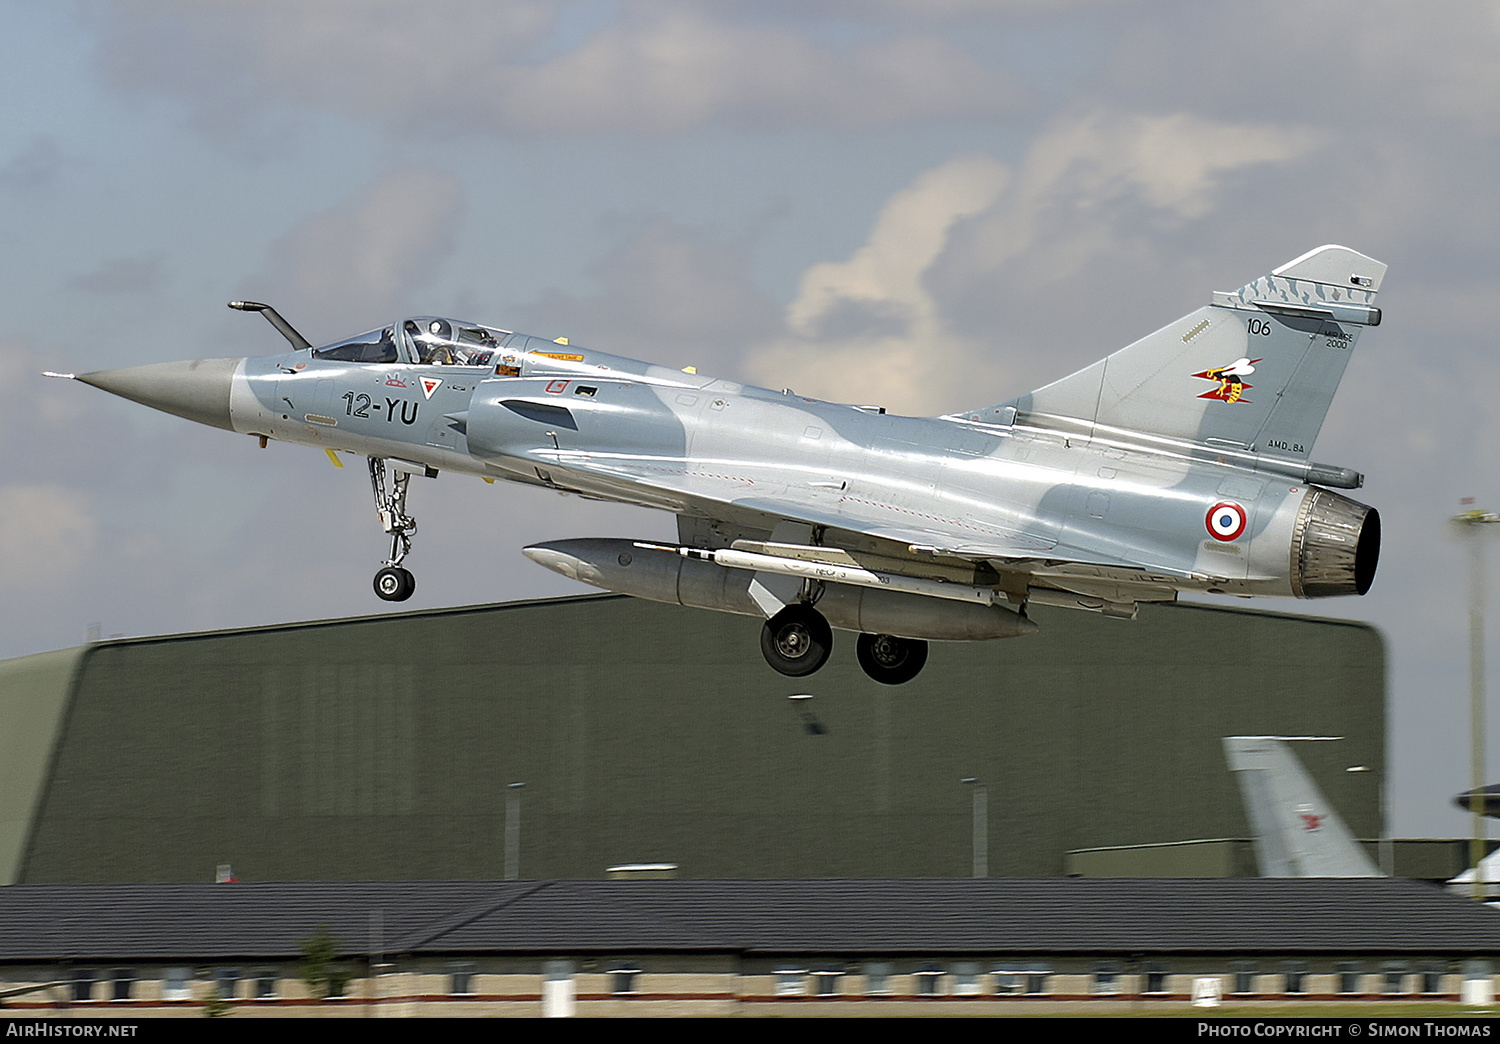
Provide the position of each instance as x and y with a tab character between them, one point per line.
1337	1010
1152	1010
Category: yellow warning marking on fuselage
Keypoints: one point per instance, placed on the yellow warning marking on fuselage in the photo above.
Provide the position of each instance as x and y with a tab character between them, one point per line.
1195	331
564	356
334	457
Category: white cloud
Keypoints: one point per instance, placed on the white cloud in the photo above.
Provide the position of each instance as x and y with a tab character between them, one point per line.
864	329
47	533
683	69
911	231
1085	176
351	263
366	56
1382	67
969	8
472	66
881	326
667	294
1430	60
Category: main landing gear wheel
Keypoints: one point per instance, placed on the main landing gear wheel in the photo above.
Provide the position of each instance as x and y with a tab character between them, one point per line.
796	641
891	660
395	584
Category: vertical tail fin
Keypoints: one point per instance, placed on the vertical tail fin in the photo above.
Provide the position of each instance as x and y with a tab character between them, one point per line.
1297	832
1255	370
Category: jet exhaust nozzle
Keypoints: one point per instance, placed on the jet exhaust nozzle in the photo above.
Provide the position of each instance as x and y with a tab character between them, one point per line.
1335	546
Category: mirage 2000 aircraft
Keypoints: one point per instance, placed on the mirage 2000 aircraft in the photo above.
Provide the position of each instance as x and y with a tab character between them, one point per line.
1179	463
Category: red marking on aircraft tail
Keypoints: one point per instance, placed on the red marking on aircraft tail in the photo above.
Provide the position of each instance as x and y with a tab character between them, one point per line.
1231	379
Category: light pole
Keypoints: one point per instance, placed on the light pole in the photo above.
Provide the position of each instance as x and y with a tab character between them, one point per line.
513	831
1470	522
981	826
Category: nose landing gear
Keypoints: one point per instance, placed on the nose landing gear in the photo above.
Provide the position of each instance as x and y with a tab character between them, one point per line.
393	583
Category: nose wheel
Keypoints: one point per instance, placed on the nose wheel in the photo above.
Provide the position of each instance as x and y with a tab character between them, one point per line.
393	583
796	641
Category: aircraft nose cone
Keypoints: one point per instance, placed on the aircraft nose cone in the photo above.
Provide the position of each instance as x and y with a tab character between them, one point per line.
197	389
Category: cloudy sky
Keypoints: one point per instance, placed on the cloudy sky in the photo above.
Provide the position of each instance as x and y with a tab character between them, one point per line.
931	204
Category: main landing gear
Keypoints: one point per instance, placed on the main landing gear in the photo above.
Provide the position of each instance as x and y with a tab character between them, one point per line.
797	641
891	660
393	583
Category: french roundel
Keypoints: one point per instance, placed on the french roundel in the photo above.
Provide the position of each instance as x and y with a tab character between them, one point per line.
1225	520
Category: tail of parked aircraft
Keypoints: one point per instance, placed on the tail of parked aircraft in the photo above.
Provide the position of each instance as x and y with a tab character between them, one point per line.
1297	832
1489	879
1255	371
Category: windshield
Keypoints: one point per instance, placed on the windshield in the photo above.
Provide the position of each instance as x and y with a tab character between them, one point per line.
377	346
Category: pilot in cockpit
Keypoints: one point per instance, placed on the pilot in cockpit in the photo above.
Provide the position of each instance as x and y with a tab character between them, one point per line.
433	341
439	342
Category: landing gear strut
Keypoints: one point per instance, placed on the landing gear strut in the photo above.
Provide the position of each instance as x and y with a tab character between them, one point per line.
891	660
797	640
393	583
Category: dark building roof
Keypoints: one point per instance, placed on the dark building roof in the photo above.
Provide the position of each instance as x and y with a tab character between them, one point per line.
1056	916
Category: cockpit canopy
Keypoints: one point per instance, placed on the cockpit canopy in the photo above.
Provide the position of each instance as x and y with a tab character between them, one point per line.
377	346
425	340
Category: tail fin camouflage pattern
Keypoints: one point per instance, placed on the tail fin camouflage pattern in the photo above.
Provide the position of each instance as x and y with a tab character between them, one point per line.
1297	832
1254	371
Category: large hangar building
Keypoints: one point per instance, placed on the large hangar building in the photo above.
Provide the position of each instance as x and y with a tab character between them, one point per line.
384	748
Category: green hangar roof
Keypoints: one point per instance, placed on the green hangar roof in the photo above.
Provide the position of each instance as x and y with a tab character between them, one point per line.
382	748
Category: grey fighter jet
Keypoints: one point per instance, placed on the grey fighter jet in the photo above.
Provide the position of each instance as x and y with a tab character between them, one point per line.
1179	463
